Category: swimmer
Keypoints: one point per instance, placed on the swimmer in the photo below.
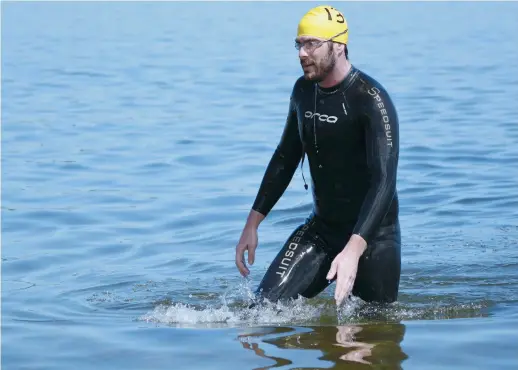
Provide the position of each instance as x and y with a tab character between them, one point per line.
345	122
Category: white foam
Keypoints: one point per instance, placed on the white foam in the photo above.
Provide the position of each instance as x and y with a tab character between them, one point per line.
232	310
271	313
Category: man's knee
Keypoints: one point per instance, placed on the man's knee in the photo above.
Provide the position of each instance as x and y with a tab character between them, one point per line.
296	267
379	272
380	289
374	292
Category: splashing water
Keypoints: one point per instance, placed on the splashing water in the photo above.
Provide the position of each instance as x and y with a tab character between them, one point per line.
230	309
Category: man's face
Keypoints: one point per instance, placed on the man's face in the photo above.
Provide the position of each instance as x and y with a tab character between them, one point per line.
316	58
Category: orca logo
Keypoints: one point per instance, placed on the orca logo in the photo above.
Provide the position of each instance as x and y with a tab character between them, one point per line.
321	117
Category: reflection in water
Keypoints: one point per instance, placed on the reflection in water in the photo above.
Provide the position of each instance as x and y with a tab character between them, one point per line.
345	338
329	347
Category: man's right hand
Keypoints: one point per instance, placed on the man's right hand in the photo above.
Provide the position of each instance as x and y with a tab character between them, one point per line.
247	242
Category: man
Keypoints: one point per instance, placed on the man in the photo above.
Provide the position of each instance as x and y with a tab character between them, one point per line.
347	125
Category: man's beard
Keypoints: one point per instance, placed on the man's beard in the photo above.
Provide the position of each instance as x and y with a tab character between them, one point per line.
321	70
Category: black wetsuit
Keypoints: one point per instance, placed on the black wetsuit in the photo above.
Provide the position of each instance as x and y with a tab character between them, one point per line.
350	134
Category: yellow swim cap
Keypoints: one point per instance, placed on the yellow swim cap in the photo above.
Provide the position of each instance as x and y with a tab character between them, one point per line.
324	22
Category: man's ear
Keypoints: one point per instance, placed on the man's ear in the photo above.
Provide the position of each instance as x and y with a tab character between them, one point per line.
341	49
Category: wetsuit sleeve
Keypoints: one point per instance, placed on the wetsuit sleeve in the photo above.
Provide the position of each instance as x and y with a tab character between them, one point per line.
382	143
282	165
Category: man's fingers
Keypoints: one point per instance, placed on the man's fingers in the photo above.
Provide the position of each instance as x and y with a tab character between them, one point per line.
332	271
251	255
340	291
340	294
240	261
343	290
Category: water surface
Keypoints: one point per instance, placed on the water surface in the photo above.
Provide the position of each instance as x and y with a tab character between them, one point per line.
135	136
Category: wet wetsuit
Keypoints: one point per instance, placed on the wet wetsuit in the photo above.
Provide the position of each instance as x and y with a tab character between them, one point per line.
350	134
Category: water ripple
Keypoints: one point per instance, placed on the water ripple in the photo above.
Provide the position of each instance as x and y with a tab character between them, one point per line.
131	155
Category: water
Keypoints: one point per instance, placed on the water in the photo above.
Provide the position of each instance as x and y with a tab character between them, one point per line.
134	137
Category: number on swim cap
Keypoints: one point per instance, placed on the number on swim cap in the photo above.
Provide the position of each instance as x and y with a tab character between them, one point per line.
339	16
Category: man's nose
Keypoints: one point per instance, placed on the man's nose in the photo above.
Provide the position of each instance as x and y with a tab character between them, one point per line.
302	52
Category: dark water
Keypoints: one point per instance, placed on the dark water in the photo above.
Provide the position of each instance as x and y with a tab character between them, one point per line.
135	135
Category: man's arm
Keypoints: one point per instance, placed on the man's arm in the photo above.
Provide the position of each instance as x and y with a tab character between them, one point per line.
382	144
280	169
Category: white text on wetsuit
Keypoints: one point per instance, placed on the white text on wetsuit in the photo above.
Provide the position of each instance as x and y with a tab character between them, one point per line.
288	255
321	117
374	91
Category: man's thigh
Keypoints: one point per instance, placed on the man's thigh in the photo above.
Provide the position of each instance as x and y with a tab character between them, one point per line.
379	268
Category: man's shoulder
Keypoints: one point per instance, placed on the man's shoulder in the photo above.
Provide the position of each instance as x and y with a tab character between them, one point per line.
301	85
368	86
373	97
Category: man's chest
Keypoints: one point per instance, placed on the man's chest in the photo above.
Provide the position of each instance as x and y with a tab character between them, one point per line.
331	117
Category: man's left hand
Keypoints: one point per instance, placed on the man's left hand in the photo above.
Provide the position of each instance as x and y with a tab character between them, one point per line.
345	266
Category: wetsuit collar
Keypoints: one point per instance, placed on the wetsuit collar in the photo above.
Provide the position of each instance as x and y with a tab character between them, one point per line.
342	85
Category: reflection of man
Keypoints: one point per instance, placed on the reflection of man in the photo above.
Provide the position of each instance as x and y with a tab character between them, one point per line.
374	344
345	338
346	123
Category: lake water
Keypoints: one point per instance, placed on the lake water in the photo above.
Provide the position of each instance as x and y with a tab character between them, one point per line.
135	136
